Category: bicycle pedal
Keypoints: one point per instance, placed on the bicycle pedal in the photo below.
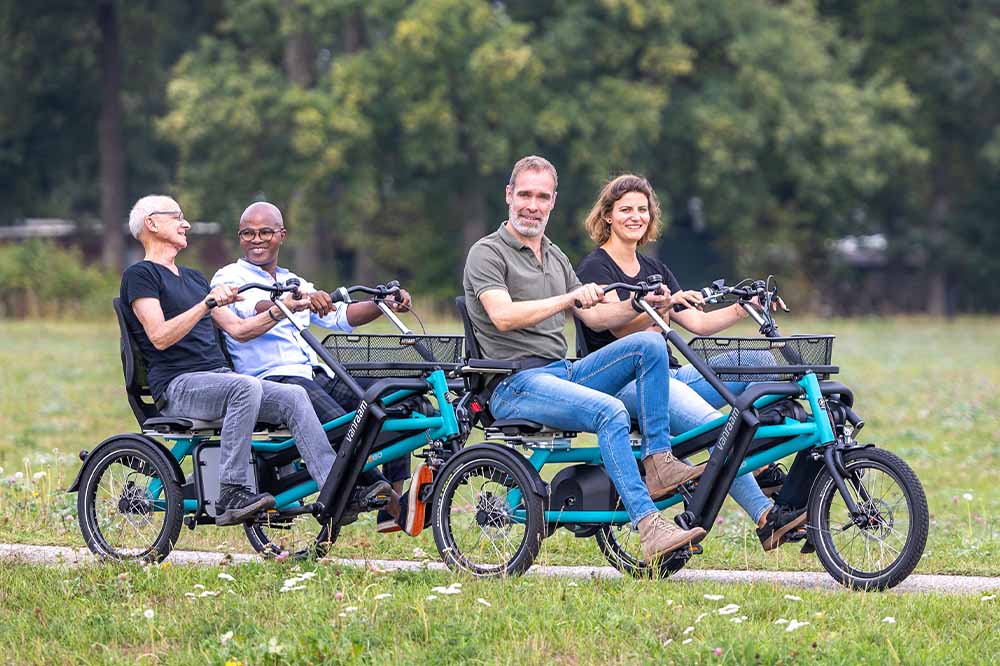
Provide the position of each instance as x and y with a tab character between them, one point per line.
695	549
377	502
426	490
807	548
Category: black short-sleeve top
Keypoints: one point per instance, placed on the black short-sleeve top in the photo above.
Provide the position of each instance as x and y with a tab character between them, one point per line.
600	268
195	352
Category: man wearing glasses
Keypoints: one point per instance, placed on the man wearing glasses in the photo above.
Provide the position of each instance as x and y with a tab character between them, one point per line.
279	354
168	315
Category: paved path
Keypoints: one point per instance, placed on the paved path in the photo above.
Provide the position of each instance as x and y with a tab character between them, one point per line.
807	579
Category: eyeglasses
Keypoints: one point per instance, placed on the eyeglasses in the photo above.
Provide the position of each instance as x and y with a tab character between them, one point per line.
176	214
265	234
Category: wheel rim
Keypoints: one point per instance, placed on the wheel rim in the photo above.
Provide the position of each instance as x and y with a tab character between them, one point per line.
874	544
128	506
299	536
484	532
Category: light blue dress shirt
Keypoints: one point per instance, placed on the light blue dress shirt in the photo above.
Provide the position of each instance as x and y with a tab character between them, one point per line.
279	351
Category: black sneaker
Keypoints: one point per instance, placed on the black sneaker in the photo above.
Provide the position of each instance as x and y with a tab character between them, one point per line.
236	504
365	498
780	521
771	479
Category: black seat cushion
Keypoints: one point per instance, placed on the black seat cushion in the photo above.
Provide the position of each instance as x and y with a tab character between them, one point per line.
517	426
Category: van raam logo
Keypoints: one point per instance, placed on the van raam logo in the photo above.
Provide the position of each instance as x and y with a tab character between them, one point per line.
353	430
728	430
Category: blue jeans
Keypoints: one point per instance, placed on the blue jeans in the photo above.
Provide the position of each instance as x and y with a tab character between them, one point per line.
240	401
580	396
693	402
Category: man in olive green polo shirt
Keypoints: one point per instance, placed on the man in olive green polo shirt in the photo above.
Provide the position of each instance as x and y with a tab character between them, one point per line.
518	288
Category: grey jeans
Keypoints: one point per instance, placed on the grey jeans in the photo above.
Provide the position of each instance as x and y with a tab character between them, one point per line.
240	401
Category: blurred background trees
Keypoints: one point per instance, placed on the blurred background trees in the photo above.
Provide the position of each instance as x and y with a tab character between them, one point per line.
830	142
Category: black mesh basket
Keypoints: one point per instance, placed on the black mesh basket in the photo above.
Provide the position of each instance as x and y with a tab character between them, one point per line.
766	359
380	355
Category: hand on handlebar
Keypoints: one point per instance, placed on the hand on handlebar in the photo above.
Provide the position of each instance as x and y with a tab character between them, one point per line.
687	299
320	303
223	294
400	302
587	296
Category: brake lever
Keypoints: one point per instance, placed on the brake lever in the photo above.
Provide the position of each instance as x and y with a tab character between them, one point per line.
781	303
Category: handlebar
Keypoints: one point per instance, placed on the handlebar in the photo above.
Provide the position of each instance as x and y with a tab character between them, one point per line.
651	285
276	289
378	292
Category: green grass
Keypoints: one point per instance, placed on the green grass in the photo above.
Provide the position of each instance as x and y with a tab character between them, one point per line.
928	390
97	615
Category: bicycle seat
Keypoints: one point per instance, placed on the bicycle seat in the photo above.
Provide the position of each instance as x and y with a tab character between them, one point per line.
517	426
165	424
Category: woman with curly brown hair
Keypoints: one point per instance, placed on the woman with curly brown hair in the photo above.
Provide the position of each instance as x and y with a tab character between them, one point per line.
626	215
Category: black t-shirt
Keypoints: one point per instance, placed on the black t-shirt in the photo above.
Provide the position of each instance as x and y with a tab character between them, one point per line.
195	352
599	267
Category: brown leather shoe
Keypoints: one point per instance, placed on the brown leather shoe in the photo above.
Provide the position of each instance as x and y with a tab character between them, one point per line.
659	537
664	473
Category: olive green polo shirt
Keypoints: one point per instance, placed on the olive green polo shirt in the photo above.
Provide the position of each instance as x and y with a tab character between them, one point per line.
500	261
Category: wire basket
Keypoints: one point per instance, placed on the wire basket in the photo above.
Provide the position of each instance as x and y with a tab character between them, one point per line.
766	359
381	355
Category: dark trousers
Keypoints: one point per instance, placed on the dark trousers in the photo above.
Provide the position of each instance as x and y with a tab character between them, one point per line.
331	400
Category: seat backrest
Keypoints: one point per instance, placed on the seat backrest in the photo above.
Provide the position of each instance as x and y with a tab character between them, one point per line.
581	342
472	347
134	369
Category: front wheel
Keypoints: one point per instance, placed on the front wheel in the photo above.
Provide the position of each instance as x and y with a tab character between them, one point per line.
880	546
620	546
130	502
301	537
488	519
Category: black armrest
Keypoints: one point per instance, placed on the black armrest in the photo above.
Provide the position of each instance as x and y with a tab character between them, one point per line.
487	365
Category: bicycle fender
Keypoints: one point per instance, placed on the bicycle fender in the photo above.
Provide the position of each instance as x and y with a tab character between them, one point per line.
135	437
509	455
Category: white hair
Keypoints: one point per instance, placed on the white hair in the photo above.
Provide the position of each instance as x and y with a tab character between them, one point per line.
143	207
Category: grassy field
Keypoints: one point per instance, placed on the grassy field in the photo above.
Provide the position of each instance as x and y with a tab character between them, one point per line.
929	391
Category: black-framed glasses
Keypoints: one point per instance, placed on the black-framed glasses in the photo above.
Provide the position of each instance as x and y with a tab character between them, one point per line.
176	214
265	234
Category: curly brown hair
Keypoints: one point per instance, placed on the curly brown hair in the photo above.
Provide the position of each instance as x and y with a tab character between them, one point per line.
597	220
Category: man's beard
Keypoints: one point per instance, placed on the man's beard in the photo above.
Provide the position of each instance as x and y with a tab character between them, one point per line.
525	229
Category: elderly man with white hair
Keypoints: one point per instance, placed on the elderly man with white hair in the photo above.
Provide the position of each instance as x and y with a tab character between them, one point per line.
171	320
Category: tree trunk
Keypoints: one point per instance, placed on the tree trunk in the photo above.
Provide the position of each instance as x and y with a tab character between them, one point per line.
471	209
112	153
937	282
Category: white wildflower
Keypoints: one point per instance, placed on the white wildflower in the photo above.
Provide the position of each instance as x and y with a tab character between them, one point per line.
430	597
572	583
38	476
226	637
700	618
688	630
209	593
989	597
686	641
739	620
18	476
967	497
889	619
190	594
668	642
454	588
480	600
292	588
792	597
350	609
273	647
225	576
418	552
148	614
781	620
713	597
795	624
199	586
380	597
307	575
728	609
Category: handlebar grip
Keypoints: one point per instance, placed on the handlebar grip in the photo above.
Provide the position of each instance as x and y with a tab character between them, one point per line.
294	282
340	295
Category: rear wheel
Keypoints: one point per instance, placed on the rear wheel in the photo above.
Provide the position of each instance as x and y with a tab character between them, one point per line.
487	518
620	546
130	502
880	546
301	536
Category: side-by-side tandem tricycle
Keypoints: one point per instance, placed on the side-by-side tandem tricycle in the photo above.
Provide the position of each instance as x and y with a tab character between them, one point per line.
491	505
